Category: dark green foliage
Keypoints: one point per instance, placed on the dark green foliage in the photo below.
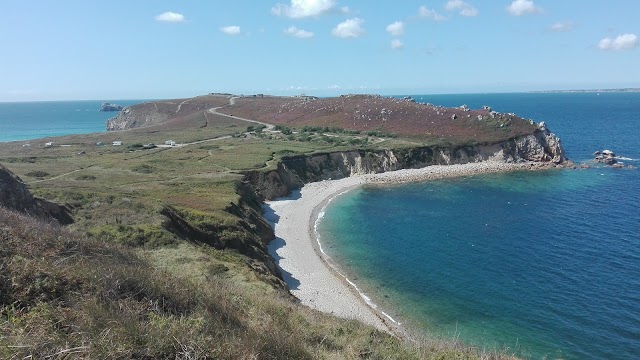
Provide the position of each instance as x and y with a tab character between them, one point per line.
86	177
143	169
37	173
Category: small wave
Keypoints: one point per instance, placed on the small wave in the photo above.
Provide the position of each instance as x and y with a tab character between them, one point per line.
368	300
624	158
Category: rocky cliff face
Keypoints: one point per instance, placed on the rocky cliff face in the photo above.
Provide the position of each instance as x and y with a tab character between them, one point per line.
15	195
141	117
293	172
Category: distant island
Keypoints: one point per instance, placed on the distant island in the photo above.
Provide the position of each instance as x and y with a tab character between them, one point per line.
110	107
628	90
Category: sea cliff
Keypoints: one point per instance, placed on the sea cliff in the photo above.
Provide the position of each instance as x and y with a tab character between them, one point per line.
542	149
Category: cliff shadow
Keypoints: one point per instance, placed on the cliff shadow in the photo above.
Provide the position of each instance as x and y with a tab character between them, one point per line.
269	213
273	247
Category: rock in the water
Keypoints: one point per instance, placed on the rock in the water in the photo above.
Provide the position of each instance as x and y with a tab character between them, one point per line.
606	157
110	107
610	161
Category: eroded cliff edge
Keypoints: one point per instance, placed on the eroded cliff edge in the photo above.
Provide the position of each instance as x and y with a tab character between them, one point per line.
15	195
542	149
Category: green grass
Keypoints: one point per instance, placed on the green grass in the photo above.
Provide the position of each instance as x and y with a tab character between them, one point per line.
64	295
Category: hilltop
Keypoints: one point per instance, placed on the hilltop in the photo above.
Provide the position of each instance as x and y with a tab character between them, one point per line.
364	113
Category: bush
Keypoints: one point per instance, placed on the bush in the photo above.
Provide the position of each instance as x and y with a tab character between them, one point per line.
38	174
143	169
86	177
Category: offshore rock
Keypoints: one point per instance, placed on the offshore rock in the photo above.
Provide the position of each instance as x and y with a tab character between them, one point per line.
110	107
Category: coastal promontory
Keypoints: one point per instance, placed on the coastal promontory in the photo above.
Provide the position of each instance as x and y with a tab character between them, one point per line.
168	252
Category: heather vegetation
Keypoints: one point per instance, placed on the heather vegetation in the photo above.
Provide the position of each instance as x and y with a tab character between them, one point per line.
385	116
167	255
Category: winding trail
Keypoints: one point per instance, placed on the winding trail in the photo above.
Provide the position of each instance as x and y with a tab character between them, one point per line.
180	105
213	111
232	101
56	177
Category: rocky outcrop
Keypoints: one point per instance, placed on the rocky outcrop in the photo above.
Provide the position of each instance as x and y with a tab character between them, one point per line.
15	195
541	146
110	107
141	117
293	172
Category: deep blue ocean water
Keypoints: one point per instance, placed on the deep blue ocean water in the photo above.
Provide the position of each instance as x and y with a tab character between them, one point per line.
33	120
545	264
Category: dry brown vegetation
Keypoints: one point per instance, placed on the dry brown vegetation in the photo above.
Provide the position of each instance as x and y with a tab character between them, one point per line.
371	113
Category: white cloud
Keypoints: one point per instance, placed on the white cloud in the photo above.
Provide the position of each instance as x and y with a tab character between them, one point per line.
464	8
424	12
299	33
396	28
521	7
351	28
561	26
171	17
231	30
622	42
304	8
396	44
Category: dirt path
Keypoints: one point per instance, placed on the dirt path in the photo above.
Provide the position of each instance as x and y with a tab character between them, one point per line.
232	101
55	177
180	105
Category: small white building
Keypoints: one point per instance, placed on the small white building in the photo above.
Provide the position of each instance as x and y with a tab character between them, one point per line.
117	143
49	144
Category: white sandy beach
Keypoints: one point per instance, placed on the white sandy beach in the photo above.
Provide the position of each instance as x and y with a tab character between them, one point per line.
308	272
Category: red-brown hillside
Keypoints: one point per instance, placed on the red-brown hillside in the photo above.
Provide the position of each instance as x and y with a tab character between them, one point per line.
371	112
169	114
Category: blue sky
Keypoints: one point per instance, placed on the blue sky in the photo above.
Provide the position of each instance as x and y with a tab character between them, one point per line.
57	50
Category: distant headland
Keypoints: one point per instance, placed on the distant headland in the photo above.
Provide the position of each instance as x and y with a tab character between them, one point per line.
626	90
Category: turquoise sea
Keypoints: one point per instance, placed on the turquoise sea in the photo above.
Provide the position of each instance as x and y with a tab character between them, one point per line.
32	120
544	264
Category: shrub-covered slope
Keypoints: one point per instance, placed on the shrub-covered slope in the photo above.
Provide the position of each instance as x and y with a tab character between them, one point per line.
65	296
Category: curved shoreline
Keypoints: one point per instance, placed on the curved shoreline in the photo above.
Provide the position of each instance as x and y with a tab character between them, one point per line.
310	273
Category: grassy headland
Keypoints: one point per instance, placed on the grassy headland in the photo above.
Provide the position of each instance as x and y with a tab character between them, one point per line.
167	255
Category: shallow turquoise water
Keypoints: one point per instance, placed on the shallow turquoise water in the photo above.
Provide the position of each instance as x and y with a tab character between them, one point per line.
33	120
544	263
